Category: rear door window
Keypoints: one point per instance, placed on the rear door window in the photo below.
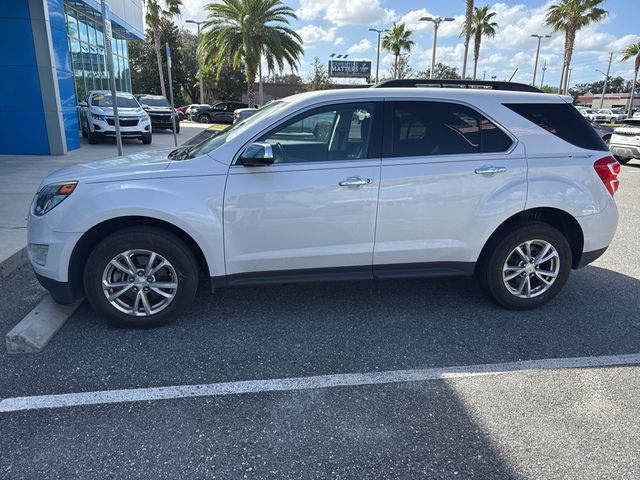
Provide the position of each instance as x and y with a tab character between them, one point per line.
420	128
561	120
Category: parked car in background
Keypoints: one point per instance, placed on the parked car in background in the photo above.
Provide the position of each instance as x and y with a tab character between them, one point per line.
592	114
511	186
220	112
182	112
604	131
242	113
625	141
191	109
162	114
612	115
96	117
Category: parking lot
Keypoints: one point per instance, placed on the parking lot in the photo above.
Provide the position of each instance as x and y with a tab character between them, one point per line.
515	421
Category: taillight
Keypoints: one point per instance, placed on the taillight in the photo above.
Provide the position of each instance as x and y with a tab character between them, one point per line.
608	169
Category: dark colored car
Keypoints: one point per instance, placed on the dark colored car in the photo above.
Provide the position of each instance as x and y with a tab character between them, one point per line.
604	131
220	112
160	111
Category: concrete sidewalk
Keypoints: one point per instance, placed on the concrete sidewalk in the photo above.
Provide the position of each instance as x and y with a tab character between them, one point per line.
21	175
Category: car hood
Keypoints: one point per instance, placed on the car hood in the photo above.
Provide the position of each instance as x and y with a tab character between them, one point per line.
121	111
144	165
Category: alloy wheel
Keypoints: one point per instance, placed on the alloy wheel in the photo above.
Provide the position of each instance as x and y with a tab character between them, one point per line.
531	269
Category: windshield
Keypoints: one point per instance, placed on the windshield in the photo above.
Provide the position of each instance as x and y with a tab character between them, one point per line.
100	100
154	101
236	129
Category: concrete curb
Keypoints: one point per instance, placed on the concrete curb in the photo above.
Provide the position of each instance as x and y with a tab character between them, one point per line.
36	330
13	263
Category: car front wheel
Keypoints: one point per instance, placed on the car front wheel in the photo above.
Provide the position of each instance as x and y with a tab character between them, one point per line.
526	267
141	277
203	118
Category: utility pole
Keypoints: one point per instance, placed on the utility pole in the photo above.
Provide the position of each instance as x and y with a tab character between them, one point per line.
484	75
535	68
379	31
198	59
173	124
544	69
606	80
436	24
106	30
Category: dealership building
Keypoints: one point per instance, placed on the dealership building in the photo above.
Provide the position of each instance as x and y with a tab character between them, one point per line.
52	52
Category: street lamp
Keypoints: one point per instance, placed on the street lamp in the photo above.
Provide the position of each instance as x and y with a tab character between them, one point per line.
198	59
436	24
535	68
378	51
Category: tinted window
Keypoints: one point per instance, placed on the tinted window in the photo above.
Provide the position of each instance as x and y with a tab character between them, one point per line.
101	100
437	128
563	121
154	101
328	133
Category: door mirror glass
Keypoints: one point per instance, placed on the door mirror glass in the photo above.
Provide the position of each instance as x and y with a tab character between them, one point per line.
257	154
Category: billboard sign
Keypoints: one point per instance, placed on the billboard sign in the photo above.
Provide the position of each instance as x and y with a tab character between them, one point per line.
349	69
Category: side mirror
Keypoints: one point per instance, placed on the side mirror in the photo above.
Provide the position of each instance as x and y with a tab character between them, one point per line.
83	104
257	154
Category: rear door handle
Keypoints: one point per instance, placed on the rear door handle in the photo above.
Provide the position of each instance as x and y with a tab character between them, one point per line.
354	182
490	170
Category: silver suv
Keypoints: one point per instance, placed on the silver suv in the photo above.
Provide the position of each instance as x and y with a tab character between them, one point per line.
512	186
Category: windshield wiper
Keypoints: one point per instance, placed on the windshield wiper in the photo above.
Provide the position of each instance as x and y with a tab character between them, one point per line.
180	153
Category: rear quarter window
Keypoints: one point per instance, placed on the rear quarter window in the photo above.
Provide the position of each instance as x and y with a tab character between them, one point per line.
561	120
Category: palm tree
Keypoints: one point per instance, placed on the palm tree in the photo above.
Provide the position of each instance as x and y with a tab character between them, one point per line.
631	51
397	39
155	10
242	32
466	31
570	16
482	25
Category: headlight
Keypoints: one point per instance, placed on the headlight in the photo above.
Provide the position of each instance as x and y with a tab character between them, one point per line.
50	196
98	117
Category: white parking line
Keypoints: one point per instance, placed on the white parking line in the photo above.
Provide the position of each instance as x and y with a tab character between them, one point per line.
305	383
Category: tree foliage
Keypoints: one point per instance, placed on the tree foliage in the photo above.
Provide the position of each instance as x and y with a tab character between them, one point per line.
614	85
228	84
482	25
318	77
144	70
441	71
243	32
396	40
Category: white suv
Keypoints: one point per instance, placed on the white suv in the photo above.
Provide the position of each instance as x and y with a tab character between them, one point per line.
513	186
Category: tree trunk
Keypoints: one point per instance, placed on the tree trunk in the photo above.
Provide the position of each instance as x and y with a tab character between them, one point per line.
250	76
395	66
260	85
467	36
476	52
571	38
633	87
156	43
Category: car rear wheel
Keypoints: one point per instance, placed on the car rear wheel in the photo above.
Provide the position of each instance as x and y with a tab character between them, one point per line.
526	267
203	118
141	277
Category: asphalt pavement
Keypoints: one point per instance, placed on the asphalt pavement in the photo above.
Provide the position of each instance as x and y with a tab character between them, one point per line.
533	424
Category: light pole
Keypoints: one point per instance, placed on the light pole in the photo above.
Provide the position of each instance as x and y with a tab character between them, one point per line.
544	69
436	24
378	51
606	79
198	59
535	68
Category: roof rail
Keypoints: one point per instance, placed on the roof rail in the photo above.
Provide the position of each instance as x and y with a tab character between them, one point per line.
450	83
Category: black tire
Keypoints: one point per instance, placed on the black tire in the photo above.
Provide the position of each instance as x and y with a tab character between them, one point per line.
496	253
91	137
83	130
622	160
153	239
204	118
146	138
613	120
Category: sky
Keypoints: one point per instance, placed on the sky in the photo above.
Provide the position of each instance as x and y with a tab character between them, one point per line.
341	27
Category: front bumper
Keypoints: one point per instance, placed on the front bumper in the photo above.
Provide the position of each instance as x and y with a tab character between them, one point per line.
61	292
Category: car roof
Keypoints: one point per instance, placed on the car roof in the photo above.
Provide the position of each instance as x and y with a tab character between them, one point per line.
108	92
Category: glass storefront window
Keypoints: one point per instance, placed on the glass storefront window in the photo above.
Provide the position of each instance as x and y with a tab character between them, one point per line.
87	45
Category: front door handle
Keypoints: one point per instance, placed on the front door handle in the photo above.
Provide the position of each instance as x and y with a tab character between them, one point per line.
490	170
354	182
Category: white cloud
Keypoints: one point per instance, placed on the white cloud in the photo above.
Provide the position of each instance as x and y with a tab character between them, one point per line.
446	29
341	12
313	34
360	47
338	41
